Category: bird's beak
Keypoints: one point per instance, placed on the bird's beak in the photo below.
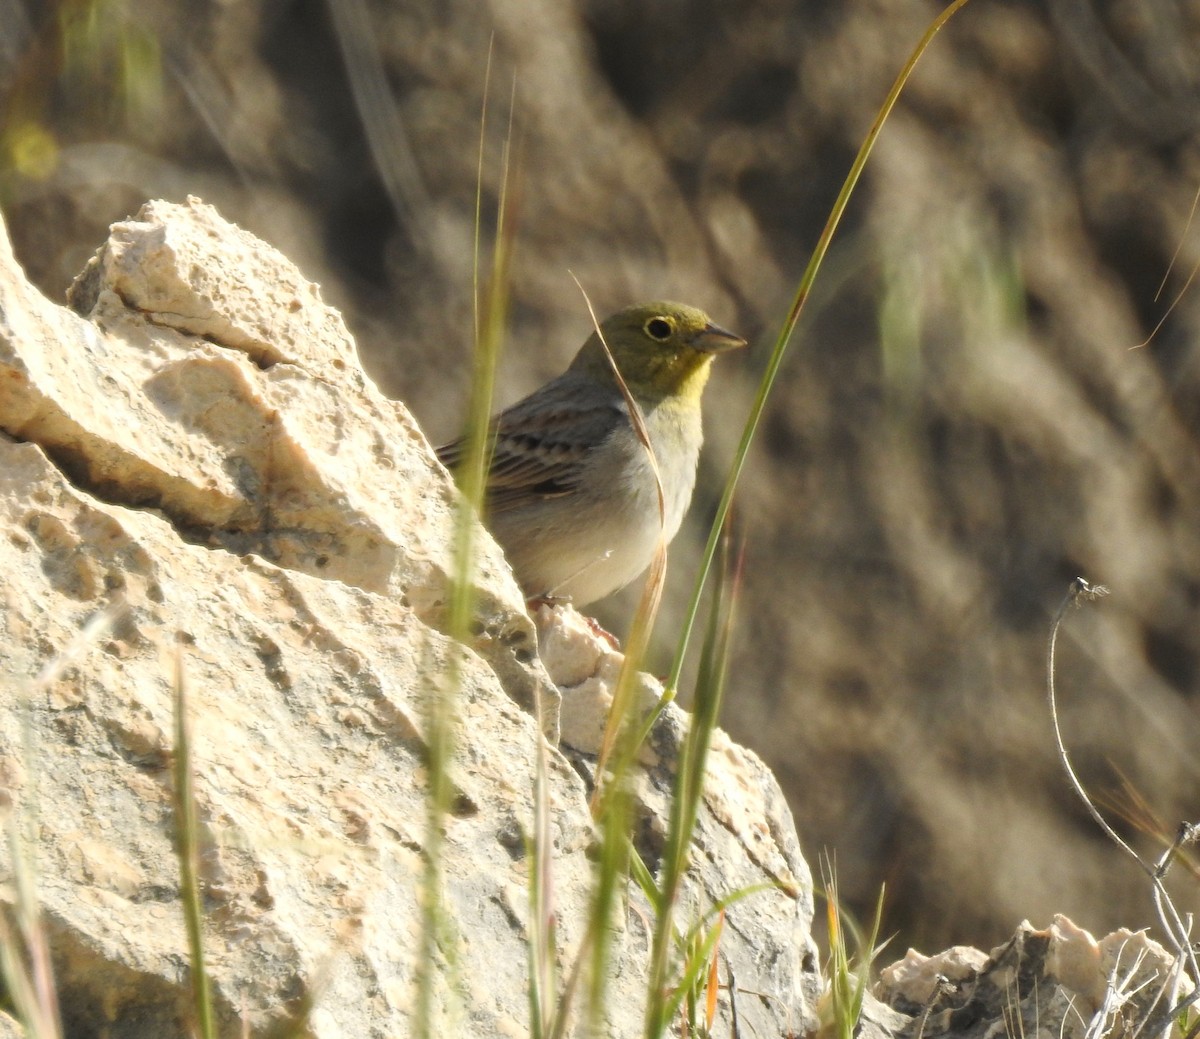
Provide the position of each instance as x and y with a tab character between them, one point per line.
714	339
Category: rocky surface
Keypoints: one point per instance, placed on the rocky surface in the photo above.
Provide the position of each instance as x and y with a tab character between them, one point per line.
1056	981
961	428
195	470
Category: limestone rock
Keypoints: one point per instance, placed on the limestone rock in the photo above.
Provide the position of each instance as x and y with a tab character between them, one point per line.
1054	982
210	382
195	472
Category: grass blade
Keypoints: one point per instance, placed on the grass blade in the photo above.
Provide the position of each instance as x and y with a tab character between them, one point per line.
187	831
785	335
491	308
689	789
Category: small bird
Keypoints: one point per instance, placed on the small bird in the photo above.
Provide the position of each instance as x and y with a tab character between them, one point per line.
571	495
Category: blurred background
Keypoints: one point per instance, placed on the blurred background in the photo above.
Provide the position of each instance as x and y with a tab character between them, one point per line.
974	410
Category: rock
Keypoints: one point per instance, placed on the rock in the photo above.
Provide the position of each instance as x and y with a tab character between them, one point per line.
219	396
1055	982
999	259
916	978
196	472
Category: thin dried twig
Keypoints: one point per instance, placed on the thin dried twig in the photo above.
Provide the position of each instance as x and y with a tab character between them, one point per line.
1172	923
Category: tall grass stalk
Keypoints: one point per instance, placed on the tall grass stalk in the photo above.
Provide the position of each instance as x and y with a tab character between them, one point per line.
640	631
490	308
785	335
611	802
187	844
544	1004
612	799
689	789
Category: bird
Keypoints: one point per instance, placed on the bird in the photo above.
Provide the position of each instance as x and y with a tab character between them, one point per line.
571	494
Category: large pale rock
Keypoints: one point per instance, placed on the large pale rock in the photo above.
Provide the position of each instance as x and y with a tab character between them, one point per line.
198	471
212	384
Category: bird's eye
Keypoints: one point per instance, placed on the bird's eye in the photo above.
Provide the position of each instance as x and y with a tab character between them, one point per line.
659	328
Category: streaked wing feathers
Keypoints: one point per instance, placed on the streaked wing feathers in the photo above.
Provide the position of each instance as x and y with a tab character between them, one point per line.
542	444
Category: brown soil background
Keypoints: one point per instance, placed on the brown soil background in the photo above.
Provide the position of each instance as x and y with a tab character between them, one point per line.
962	425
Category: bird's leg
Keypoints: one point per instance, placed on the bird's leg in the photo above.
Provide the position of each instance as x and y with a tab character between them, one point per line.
546	599
594	626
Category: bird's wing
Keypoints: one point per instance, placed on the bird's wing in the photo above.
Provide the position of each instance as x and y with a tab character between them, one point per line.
542	443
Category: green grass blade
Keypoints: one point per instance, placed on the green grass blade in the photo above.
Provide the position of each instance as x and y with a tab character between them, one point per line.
689	789
491	307
785	335
542	931
187	832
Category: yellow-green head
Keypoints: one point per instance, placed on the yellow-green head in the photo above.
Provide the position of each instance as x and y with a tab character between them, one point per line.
662	350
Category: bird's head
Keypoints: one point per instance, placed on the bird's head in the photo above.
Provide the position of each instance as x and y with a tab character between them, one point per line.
662	350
